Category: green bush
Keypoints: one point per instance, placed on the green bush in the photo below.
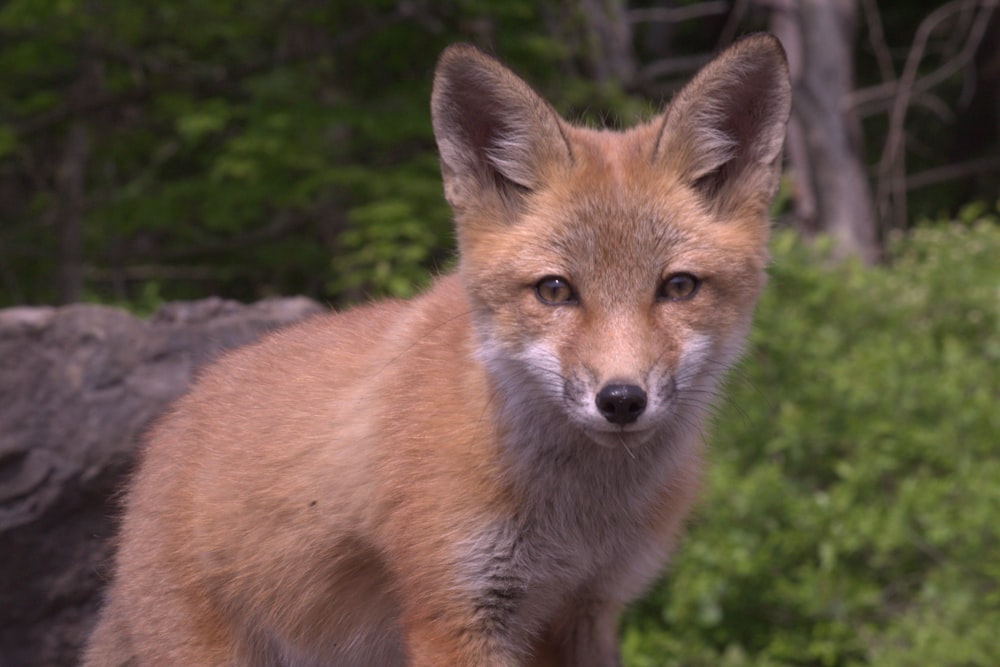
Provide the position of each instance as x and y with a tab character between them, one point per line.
852	505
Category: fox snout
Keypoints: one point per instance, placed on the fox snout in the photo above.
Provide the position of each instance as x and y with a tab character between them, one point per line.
621	404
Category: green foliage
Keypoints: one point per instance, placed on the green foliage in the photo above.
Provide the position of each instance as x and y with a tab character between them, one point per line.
853	493
389	242
241	149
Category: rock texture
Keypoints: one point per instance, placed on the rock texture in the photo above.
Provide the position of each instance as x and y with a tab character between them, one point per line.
78	386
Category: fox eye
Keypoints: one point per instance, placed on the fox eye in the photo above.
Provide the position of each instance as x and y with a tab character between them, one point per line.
679	287
554	290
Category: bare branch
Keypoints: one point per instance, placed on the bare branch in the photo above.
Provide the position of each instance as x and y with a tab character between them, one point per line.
892	165
936	106
876	38
952	172
733	21
677	14
674	66
883	97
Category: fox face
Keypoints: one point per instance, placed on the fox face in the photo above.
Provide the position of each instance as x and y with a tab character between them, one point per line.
612	275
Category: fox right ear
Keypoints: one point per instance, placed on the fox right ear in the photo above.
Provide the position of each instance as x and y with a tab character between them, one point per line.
724	131
494	133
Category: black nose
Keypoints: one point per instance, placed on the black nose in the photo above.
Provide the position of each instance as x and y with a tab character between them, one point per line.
621	403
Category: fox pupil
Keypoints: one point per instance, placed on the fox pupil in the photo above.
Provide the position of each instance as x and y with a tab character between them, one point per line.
679	286
554	290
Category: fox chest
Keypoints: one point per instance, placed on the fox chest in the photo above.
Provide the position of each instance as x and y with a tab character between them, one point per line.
569	545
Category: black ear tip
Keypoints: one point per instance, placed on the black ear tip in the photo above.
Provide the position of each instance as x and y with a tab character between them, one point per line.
765	40
763	45
462	66
462	52
457	50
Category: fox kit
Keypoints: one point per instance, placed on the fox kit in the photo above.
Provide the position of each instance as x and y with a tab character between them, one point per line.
485	475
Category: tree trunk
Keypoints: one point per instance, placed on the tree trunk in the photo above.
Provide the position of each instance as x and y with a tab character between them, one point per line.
833	195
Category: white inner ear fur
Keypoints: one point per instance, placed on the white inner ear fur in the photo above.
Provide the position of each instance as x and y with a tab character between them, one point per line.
513	156
713	145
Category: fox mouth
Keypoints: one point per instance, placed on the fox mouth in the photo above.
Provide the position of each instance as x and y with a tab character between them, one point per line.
623	438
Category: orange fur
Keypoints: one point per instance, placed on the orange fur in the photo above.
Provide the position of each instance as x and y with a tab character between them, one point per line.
477	476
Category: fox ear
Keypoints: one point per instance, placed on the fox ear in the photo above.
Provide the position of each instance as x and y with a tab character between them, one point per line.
724	131
494	133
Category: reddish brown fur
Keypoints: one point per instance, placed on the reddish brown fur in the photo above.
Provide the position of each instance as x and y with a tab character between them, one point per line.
429	482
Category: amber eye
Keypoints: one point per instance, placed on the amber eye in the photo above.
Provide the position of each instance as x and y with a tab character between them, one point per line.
555	290
679	287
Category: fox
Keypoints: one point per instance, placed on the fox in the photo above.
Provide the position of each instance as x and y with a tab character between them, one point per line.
484	475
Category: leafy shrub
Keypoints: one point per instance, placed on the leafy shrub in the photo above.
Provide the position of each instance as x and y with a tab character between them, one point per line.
852	505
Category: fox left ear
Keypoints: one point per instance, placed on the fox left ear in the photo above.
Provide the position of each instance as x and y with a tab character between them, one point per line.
724	131
496	136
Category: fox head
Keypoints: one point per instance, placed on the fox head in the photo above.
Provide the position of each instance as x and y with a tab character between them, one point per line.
612	275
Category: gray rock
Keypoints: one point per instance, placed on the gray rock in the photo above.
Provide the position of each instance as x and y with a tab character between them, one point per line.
78	387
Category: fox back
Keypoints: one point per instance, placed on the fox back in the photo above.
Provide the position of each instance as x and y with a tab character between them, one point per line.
486	474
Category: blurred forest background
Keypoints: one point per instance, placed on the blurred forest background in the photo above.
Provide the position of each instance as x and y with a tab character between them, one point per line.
153	151
174	149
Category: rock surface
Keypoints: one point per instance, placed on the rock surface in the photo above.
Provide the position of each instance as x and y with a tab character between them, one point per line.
78	386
